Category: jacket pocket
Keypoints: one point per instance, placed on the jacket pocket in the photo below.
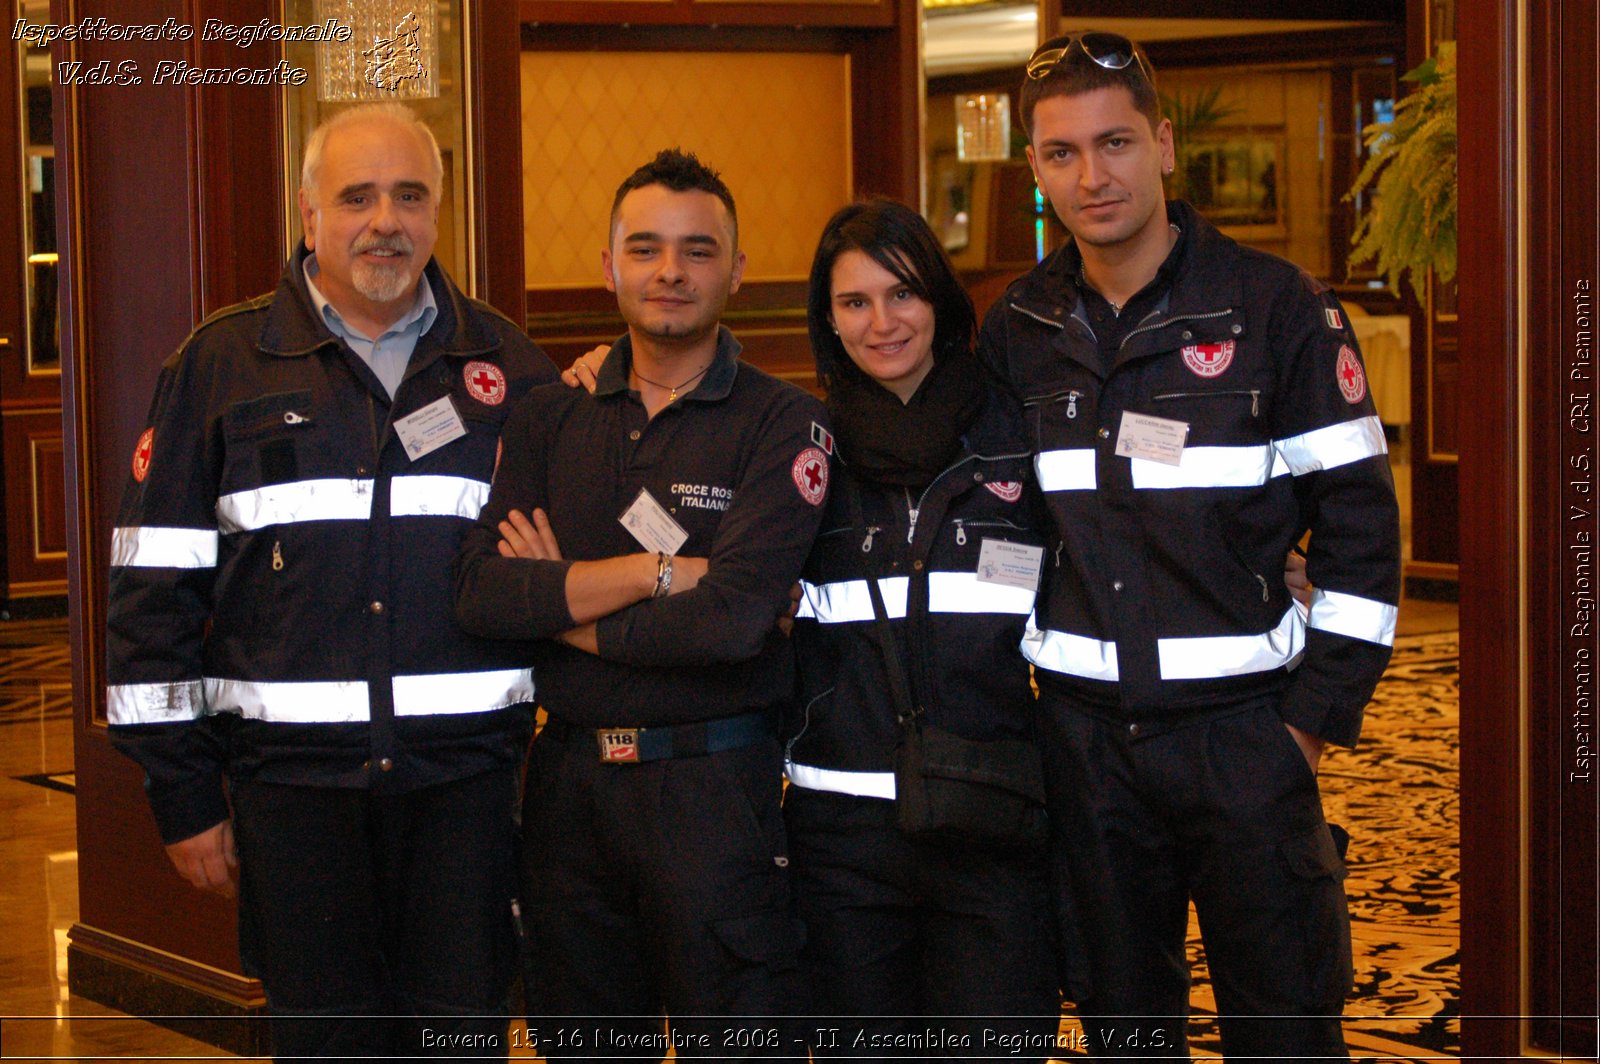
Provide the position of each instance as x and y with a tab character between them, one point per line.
265	439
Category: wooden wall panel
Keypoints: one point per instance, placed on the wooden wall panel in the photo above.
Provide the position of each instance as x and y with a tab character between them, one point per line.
730	13
1491	740
1528	923
885	104
1564	269
47	456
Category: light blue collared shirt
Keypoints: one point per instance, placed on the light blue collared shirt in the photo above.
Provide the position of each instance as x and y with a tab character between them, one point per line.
389	354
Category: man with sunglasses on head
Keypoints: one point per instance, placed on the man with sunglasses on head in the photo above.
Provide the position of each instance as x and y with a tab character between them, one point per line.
1198	407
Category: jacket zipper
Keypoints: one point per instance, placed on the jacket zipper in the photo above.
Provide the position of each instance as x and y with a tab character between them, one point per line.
1253	393
962	524
1038	318
1070	396
1171	321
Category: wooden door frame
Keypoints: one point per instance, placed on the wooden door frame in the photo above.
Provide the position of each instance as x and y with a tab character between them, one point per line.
1527	190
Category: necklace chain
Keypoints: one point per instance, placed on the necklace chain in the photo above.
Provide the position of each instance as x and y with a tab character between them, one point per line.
672	389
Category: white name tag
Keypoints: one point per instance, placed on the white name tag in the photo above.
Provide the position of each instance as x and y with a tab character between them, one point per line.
1156	438
1010	564
652	526
430	428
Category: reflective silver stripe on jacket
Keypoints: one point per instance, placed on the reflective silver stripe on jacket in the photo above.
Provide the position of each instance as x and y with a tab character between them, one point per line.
1213	656
154	703
1073	655
1069	470
461	692
317	702
1181	658
1353	616
165	548
437	496
1211	467
301	500
1336	445
838	781
845	601
1225	467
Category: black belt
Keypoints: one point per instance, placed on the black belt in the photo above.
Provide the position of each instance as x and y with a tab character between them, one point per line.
627	746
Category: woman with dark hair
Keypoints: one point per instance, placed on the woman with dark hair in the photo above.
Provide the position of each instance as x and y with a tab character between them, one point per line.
930	945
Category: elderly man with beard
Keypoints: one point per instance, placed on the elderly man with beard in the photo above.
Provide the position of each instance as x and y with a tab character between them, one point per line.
280	619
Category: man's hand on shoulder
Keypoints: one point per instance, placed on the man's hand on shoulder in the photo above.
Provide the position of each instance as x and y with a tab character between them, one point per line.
585	369
207	860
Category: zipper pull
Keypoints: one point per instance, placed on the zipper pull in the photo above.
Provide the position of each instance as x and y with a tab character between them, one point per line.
1265	596
911	525
1255	402
292	418
866	545
961	533
277	556
1072	404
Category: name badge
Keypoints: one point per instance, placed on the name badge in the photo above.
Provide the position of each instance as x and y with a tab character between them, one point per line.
430	428
1010	564
652	526
1157	438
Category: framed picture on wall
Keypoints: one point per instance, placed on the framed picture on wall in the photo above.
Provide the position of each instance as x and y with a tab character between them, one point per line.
1235	179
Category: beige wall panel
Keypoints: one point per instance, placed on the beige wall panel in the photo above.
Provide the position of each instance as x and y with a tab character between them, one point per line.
777	125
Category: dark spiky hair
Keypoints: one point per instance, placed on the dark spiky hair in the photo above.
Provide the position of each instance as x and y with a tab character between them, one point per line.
681	171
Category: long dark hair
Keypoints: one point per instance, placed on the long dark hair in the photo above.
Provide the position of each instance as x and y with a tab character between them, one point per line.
898	239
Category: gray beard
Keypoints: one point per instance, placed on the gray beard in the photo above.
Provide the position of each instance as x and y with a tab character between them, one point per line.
381	284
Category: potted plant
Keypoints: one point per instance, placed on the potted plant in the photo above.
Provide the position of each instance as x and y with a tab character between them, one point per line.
1410	226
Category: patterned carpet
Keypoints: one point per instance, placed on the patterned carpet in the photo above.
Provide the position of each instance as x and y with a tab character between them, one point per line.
1397	794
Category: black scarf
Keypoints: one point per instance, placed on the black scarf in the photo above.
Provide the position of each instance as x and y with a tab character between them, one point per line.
890	442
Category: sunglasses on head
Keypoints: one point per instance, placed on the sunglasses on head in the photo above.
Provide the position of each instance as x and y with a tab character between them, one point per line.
1111	51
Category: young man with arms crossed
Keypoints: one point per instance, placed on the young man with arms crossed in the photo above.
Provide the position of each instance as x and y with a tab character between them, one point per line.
649	535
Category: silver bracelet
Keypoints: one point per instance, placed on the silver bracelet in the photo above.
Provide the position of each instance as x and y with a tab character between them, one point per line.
663	575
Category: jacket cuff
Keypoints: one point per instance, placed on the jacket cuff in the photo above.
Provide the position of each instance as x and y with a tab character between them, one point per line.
185	809
1322	717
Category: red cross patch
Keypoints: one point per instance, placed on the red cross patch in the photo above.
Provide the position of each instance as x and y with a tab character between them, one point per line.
810	472
1009	490
485	382
1209	360
1352	381
141	455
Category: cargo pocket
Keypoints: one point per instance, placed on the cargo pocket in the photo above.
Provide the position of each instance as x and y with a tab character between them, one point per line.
770	939
1313	862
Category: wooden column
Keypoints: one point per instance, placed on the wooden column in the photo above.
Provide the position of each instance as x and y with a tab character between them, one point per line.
166	192
1530	262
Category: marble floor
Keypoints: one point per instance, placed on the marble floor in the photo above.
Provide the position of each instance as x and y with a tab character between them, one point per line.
1396	892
